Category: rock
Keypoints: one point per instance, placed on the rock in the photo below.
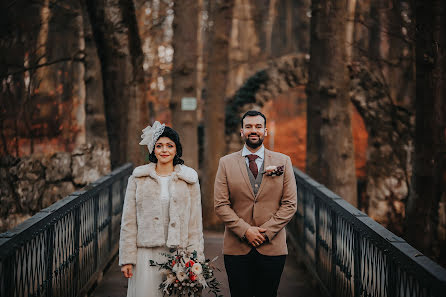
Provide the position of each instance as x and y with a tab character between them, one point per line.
7	200
55	192
29	184
89	164
58	167
28	168
399	208
379	211
29	193
8	161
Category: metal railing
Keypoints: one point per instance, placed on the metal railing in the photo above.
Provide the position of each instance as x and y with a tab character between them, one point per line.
352	255
63	249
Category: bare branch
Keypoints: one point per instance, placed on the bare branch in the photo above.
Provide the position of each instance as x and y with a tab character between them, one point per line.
78	57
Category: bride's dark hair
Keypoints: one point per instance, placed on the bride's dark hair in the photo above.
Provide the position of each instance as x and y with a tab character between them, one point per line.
172	135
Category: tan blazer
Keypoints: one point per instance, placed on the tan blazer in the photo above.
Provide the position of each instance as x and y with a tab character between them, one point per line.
238	208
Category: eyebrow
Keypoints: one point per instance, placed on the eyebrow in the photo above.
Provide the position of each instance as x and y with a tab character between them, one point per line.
253	125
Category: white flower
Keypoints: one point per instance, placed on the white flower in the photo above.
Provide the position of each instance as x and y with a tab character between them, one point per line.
202	281
177	267
197	269
150	135
273	170
181	275
170	278
270	168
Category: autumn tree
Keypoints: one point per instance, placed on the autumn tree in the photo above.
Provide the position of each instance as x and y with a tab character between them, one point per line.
429	178
118	44
382	83
43	78
184	76
95	124
330	154
214	110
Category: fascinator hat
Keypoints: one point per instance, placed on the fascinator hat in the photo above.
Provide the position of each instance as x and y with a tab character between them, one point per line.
150	135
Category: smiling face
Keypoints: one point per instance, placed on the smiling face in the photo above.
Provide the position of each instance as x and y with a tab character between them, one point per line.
253	131
165	150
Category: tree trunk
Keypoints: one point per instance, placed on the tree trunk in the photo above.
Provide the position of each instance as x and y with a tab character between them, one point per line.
184	77
95	125
430	133
269	25
390	50
119	49
46	83
302	27
214	111
361	32
330	154
349	37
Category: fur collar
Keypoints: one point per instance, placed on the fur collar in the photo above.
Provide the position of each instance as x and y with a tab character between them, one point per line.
183	172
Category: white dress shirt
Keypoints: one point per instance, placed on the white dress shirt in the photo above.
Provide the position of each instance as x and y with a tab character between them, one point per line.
260	152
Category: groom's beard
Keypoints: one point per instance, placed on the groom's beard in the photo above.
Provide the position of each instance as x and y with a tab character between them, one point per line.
253	144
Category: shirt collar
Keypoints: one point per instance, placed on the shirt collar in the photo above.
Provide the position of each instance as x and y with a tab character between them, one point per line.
260	152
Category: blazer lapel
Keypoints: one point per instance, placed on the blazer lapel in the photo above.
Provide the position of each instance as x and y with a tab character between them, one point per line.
266	162
242	164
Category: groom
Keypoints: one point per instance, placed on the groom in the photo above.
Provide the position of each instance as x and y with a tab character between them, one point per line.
255	202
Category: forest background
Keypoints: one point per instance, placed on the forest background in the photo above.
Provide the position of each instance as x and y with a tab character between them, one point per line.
353	92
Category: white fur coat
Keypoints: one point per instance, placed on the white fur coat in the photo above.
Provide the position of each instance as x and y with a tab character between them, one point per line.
141	224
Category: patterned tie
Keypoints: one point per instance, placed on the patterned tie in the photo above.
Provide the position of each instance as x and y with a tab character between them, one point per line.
253	165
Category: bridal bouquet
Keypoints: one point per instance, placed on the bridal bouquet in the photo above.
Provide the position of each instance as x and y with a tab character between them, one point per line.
186	276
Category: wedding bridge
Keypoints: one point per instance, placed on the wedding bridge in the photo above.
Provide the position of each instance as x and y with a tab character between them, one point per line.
65	249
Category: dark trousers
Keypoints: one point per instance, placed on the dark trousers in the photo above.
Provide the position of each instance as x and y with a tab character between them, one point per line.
254	274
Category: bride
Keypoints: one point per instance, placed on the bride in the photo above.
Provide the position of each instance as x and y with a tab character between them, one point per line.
162	210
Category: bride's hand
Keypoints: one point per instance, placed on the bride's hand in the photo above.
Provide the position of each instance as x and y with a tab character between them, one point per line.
127	270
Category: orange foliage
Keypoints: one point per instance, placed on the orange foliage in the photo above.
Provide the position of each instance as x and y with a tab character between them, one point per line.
53	126
60	89
286	116
360	139
287	124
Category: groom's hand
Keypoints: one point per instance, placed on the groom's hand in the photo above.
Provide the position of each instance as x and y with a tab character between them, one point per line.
254	236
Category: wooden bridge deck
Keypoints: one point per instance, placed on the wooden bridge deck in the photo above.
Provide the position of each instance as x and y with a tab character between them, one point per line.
295	282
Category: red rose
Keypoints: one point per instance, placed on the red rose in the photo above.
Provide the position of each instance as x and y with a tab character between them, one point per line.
192	277
173	262
190	263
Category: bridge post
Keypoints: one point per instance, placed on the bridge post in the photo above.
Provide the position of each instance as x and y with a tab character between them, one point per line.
95	228
110	217
7	277
76	243
49	260
122	191
317	237
304	219
357	263
391	277
333	252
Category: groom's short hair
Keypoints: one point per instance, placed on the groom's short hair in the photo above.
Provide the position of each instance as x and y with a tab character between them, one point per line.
252	113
